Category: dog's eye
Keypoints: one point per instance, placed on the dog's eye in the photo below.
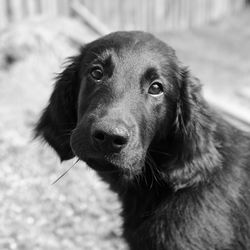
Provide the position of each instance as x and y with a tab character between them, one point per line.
96	73
155	88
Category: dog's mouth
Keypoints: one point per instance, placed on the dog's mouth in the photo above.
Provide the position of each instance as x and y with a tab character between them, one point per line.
128	160
101	164
114	163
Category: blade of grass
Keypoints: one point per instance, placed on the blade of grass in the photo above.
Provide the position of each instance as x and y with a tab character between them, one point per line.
63	174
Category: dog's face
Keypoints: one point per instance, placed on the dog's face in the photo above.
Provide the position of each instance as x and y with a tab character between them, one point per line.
125	94
122	95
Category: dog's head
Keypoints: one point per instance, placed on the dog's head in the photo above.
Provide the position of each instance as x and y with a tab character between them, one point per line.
124	95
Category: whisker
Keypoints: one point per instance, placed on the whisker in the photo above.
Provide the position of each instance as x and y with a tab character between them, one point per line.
160	152
154	170
144	175
151	170
109	171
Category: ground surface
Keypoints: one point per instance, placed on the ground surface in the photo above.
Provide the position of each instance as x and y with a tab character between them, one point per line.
79	212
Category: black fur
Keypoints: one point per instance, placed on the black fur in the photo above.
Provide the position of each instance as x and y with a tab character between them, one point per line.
183	175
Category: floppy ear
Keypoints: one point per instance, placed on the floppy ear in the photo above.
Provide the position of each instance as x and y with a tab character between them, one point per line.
193	142
192	118
60	116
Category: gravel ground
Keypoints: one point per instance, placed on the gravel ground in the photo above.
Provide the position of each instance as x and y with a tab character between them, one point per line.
79	211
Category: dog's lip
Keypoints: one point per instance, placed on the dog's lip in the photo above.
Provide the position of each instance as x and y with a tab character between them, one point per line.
100	164
114	162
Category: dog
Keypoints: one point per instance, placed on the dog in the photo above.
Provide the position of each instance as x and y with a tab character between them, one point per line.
128	108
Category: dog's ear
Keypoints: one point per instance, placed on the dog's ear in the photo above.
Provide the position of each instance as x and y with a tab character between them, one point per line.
193	144
60	116
192	116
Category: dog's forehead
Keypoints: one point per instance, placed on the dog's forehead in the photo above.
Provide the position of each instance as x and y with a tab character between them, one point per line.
133	48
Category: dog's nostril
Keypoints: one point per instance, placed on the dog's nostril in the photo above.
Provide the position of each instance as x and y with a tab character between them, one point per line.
119	141
98	135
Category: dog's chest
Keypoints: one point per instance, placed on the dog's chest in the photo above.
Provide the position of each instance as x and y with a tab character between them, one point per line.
172	227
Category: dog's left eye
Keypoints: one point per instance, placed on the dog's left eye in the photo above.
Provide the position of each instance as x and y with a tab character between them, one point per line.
97	73
155	88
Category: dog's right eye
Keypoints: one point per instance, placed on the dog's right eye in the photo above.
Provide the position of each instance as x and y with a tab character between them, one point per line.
96	73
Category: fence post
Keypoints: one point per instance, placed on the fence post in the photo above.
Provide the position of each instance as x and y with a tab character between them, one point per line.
3	14
63	7
16	10
32	9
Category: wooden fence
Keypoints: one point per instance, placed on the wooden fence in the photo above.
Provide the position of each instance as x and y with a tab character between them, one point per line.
150	15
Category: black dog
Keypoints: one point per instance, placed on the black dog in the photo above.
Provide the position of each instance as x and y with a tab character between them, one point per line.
128	108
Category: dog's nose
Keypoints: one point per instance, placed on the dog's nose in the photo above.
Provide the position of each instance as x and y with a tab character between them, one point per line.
108	138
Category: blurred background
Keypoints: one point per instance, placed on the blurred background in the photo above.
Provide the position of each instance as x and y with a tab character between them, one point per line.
212	37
